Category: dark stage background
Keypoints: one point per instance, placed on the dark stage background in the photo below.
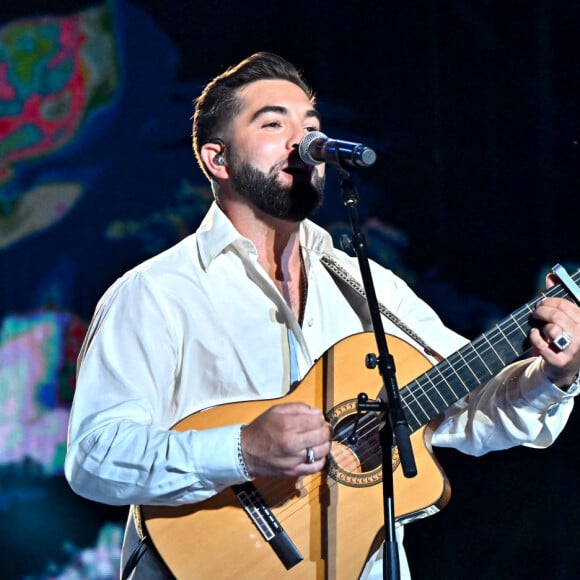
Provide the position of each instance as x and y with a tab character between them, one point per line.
473	109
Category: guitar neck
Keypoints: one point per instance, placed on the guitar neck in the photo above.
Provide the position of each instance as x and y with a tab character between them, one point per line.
450	380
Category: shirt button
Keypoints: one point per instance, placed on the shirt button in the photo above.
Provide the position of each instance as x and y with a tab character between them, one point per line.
310	321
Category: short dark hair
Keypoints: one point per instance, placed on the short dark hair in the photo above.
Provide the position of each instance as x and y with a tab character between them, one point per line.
218	104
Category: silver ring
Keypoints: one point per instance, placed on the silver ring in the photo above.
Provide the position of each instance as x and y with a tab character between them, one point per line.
310	455
563	341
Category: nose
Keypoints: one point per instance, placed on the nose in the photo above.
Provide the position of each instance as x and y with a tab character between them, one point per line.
296	133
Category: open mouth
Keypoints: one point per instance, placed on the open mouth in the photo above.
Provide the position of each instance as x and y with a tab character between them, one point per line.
298	169
299	174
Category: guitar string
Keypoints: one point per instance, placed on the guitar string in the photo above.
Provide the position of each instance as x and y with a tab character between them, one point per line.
446	369
337	456
376	426
506	329
477	355
321	498
308	496
363	458
444	372
419	394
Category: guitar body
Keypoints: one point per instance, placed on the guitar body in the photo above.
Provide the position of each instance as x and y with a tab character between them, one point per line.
333	518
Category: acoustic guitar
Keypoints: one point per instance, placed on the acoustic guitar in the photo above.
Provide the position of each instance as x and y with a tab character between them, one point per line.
325	526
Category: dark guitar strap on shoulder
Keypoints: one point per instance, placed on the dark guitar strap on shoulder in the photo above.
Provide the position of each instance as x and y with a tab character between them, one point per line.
341	274
144	561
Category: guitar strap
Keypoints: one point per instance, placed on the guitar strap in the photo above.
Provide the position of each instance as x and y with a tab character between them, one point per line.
342	275
144	553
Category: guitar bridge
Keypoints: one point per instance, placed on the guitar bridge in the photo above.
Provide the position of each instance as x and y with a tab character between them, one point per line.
267	524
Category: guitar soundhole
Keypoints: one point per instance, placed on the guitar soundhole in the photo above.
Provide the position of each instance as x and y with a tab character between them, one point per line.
355	456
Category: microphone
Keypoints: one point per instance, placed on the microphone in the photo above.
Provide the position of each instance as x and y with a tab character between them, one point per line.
315	148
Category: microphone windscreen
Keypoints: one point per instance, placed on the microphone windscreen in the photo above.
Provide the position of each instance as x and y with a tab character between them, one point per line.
304	147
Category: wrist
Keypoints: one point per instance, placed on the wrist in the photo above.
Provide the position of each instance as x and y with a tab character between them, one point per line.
241	459
573	387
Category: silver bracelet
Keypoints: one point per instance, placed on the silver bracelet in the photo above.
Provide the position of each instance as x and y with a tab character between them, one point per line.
241	461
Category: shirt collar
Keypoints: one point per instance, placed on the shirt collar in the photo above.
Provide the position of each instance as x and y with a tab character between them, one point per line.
216	233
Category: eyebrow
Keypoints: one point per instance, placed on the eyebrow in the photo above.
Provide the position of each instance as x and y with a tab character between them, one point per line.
310	114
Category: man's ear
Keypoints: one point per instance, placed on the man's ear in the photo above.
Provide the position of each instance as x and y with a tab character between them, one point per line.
213	156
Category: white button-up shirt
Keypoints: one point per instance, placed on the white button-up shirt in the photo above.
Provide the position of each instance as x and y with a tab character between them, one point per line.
202	324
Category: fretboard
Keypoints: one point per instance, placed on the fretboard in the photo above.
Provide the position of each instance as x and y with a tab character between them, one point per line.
450	380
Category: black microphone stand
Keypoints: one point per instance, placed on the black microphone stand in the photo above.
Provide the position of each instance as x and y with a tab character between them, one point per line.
399	431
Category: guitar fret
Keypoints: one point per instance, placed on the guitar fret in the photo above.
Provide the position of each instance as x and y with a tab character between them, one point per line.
474	363
499	341
456	372
424	395
506	339
417	418
419	415
437	391
495	351
482	371
466	366
411	406
413	421
522	328
438	370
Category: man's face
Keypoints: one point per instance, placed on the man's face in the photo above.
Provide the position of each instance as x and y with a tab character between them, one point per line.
264	165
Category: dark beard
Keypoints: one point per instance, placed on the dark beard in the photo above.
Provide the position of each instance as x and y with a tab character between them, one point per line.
291	203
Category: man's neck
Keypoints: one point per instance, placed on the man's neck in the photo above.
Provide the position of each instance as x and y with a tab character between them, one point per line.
278	244
277	241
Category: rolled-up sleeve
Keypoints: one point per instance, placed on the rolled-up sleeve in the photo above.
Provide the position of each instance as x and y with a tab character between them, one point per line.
519	406
122	448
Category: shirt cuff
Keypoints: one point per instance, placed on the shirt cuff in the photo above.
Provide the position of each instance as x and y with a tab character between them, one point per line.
215	455
574	387
540	392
